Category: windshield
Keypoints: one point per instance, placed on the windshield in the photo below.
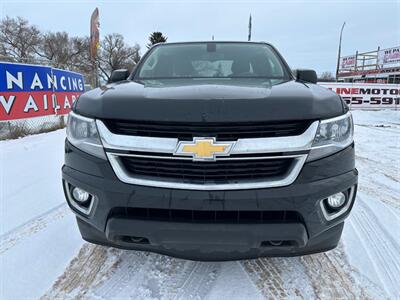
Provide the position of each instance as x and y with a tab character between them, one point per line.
212	60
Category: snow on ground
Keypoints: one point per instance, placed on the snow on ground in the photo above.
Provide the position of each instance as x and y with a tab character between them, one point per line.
372	235
42	254
38	234
30	172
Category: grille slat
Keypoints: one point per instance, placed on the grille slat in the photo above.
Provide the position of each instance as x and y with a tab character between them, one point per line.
207	216
214	176
206	172
221	131
209	166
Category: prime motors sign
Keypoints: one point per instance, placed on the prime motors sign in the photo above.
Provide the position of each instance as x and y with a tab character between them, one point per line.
366	95
28	91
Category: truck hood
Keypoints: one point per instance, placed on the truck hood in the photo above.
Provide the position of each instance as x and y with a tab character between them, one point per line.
189	100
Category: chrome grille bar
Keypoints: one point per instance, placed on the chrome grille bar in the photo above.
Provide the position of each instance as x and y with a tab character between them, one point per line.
287	179
242	146
261	148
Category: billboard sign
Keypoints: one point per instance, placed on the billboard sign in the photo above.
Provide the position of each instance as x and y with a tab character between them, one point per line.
389	57
347	63
367	96
28	91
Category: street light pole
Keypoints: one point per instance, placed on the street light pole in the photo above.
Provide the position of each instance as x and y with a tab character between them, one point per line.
339	50
249	36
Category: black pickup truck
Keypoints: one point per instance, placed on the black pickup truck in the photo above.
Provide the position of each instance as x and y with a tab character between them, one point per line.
211	151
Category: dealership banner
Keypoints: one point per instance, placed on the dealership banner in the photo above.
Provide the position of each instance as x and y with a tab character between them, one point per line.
347	63
28	91
389	57
366	95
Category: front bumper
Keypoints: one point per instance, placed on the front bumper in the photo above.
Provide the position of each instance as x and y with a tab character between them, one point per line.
109	222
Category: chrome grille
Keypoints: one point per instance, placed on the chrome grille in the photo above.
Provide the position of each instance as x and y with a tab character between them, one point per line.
252	162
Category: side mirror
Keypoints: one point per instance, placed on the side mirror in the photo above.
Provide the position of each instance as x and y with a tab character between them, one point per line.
119	75
306	75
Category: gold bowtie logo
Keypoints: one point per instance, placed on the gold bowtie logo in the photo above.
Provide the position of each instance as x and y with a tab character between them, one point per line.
204	148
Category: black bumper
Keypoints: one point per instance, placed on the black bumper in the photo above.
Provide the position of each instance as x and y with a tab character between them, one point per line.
110	222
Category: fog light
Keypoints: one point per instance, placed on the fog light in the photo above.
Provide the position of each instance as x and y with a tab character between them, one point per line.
80	195
336	200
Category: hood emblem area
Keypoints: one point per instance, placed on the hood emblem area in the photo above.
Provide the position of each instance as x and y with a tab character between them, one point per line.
204	148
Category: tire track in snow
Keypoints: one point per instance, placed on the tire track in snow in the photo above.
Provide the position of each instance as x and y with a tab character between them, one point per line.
383	195
92	265
318	276
381	247
159	277
12	237
371	166
329	277
381	182
264	274
126	281
139	275
200	281
103	273
333	277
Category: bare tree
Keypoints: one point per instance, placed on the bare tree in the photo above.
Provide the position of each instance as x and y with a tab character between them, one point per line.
3	50
136	55
65	52
81	61
56	48
18	39
326	76
115	54
22	42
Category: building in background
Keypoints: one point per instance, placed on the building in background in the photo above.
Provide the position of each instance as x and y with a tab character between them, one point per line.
378	66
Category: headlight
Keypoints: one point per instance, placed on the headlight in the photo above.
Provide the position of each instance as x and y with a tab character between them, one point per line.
82	133
332	136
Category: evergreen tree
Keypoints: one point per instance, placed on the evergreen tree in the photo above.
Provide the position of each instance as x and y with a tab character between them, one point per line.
155	38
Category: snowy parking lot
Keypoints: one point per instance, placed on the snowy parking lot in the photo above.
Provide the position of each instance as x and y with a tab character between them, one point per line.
43	255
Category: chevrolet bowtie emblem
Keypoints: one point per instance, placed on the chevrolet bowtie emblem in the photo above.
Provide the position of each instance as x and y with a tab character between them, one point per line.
204	148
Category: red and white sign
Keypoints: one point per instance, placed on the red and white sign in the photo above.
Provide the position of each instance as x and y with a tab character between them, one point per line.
28	91
367	96
347	62
389	57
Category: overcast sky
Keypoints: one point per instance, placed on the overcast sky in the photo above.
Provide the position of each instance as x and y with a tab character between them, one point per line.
305	32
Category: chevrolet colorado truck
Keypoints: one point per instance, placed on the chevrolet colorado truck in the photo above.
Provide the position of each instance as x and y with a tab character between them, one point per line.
211	151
